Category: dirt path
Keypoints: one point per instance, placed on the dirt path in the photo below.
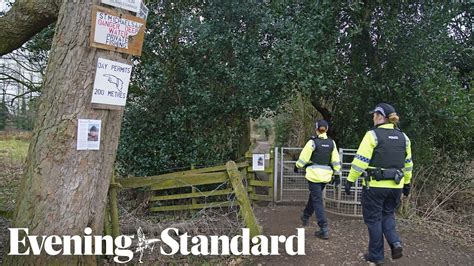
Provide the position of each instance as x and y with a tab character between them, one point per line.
349	241
262	147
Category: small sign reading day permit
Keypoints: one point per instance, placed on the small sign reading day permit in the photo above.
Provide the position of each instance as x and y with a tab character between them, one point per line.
111	82
117	32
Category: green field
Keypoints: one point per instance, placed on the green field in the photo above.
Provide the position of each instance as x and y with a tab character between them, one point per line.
12	156
13	151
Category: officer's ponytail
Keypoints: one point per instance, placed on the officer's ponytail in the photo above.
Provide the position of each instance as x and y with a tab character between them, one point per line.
393	118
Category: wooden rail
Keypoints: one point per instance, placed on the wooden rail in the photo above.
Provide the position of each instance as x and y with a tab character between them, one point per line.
192	190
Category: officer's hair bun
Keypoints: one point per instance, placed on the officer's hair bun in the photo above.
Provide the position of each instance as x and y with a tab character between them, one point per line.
322	129
393	118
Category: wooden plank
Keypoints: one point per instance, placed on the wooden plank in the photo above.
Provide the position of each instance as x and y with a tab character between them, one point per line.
271	175
137	182
186	182
193	195
107	106
217	168
191	207
107	223
114	208
193	189
268	171
258	197
260	183
243	200
135	42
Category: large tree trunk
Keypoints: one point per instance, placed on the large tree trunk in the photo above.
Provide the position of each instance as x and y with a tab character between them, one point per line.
64	190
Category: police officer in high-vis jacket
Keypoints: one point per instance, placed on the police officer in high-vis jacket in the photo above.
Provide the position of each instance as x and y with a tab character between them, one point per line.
385	155
321	160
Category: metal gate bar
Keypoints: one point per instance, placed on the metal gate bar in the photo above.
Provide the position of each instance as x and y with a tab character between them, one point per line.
293	186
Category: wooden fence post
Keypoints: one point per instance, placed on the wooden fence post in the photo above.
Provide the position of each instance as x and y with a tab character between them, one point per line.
243	200
250	174
107	224
193	190
271	174
113	207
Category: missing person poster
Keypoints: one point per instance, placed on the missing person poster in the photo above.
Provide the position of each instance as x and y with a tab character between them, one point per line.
88	134
258	162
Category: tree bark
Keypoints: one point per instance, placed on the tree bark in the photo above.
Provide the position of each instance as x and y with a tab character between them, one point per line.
24	20
64	190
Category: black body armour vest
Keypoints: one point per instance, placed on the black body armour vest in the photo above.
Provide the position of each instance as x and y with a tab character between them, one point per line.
322	151
390	151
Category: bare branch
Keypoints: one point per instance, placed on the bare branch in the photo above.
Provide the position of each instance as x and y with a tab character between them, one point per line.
23	61
25	66
33	86
24	20
19	76
19	96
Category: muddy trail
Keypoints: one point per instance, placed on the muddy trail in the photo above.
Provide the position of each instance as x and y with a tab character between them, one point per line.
348	242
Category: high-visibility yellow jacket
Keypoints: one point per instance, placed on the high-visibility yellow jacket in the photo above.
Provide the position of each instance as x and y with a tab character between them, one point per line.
364	155
314	172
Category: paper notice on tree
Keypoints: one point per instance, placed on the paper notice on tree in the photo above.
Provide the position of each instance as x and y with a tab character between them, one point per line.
111	82
88	134
117	32
132	5
143	13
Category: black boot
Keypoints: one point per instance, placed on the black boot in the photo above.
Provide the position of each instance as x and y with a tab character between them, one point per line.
377	262
397	250
323	233
304	220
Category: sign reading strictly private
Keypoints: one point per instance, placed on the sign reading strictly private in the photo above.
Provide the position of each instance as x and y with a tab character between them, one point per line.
111	82
117	32
132	5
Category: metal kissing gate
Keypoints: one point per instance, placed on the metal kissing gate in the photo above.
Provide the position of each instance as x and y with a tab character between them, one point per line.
293	187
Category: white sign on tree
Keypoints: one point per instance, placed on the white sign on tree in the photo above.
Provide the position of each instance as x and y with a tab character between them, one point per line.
132	5
88	134
114	30
111	82
143	13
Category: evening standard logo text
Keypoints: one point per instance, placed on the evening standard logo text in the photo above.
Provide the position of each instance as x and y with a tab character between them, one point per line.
169	243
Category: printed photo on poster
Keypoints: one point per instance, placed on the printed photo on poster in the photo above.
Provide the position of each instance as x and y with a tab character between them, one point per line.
258	162
88	134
